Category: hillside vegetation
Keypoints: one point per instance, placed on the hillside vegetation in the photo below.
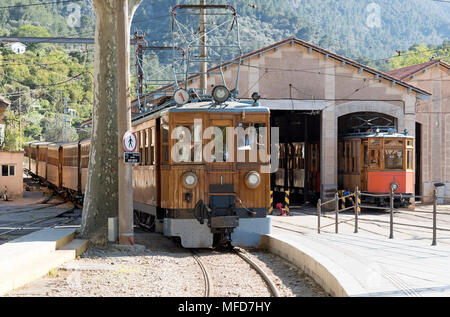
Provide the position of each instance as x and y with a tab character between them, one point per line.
384	34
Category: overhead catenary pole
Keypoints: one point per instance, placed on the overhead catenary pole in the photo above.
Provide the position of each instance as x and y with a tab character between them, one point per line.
20	123
65	120
126	235
203	50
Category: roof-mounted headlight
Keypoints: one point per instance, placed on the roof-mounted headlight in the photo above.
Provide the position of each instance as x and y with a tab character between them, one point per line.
220	94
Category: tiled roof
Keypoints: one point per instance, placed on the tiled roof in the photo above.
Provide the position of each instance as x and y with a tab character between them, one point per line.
405	72
317	49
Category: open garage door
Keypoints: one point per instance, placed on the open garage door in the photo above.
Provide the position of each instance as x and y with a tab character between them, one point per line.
299	156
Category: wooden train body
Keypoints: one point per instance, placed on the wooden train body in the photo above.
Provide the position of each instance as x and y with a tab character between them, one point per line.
180	191
373	161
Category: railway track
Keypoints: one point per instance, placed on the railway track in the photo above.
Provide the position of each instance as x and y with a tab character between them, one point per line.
242	254
29	225
32	209
205	273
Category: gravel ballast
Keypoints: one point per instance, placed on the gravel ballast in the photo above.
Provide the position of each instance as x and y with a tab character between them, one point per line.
165	269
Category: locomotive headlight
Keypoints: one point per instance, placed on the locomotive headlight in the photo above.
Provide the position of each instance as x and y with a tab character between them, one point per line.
394	186
252	179
220	94
189	179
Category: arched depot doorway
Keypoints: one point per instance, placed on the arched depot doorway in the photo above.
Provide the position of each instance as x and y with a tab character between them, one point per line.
355	154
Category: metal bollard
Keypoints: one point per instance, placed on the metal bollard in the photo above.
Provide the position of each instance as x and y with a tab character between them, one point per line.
435	197
356	208
336	197
319	207
391	199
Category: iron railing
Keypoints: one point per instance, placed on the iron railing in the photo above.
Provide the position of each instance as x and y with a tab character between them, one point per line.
357	207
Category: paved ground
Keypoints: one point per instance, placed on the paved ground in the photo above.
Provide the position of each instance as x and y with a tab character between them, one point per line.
404	266
35	211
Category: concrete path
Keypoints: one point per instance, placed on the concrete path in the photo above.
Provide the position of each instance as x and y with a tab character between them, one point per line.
366	263
32	256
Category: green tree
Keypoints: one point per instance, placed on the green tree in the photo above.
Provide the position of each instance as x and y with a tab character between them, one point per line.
55	130
418	54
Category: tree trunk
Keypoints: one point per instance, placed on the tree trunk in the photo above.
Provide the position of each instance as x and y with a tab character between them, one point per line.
102	184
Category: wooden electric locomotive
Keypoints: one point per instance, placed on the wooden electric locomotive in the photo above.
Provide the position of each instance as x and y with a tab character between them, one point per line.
374	160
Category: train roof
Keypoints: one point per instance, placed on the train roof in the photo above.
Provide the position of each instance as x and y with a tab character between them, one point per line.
229	106
39	143
203	106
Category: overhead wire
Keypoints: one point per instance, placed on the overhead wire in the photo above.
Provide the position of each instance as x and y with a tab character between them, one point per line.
38	4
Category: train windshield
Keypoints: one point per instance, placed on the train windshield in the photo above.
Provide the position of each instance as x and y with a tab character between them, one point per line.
393	159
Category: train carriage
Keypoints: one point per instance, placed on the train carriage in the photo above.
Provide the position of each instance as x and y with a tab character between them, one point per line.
373	161
42	160
54	165
203	202
84	149
291	171
33	158
27	156
70	168
37	152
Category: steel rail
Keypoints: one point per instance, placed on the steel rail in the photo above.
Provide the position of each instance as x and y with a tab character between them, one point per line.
22	227
32	209
255	266
204	272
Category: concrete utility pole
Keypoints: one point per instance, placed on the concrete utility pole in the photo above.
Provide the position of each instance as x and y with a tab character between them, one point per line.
203	50
124	120
20	123
108	188
65	120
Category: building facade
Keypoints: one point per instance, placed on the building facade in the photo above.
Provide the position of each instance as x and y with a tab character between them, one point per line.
11	176
17	47
299	80
433	123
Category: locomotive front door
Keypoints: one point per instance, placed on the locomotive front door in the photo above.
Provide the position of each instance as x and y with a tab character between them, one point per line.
220	150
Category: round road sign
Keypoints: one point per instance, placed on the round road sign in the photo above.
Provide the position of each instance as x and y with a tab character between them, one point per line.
129	142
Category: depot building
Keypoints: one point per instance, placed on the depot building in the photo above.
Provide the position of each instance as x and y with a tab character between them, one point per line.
314	95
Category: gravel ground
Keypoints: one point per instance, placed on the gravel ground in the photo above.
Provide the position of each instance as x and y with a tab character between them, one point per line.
165	269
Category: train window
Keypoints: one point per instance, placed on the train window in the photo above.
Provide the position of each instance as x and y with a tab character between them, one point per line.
185	135
252	137
165	153
393	159
152	141
146	147
347	157
165	134
221	153
366	154
4	170
374	158
409	159
142	137
165	145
